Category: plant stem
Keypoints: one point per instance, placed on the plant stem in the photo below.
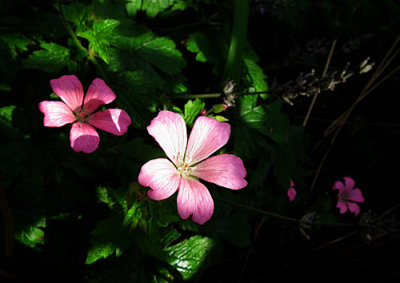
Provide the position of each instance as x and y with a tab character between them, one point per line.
215	95
79	45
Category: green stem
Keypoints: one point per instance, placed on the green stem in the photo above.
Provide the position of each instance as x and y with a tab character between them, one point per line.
259	210
214	95
79	45
276	215
238	40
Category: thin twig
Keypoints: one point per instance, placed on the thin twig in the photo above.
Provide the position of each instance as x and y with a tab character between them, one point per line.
328	61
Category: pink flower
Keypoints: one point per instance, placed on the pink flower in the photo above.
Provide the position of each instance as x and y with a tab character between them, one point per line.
78	111
188	160
291	192
348	196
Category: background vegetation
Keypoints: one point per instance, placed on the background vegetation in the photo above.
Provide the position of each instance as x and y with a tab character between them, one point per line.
73	217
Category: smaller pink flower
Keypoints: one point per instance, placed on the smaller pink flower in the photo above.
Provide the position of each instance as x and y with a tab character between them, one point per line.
78	110
291	192
348	196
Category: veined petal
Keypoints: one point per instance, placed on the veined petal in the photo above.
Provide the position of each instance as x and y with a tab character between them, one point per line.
225	170
353	207
98	94
84	137
70	90
169	130
194	198
348	183
338	186
342	206
355	195
291	194
207	136
56	113
161	176
114	121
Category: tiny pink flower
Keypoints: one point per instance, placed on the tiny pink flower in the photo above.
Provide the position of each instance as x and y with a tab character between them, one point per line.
189	160
291	192
348	196
79	111
203	112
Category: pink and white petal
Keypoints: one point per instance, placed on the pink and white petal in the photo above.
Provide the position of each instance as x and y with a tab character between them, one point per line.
84	137
98	94
355	195
225	170
161	176
291	194
338	186
70	90
194	198
207	136
56	113
348	183
342	206
114	121
353	207
169	130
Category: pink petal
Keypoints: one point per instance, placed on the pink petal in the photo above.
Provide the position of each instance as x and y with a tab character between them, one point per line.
338	186
349	183
98	94
70	90
353	207
291	183
355	195
56	113
207	136
169	130
194	198
84	138
291	194
225	170
161	176
342	206
114	121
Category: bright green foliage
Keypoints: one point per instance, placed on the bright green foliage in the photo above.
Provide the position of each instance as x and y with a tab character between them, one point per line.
255	74
151	7
51	58
33	235
189	256
192	110
99	37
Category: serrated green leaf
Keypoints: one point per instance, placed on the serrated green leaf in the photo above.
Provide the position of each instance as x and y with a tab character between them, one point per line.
78	14
190	255
255	74
32	235
99	37
51	58
154	7
266	119
132	6
192	109
135	47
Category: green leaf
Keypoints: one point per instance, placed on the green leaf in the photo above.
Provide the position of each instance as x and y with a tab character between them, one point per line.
33	235
107	238
99	37
132	6
134	47
6	112
190	255
51	58
154	7
78	13
266	119
255	74
192	109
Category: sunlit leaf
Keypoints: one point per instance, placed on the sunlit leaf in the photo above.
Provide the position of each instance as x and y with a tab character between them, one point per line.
192	110
51	58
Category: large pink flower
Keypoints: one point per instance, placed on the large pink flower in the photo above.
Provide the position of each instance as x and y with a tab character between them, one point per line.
74	109
348	196
187	162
